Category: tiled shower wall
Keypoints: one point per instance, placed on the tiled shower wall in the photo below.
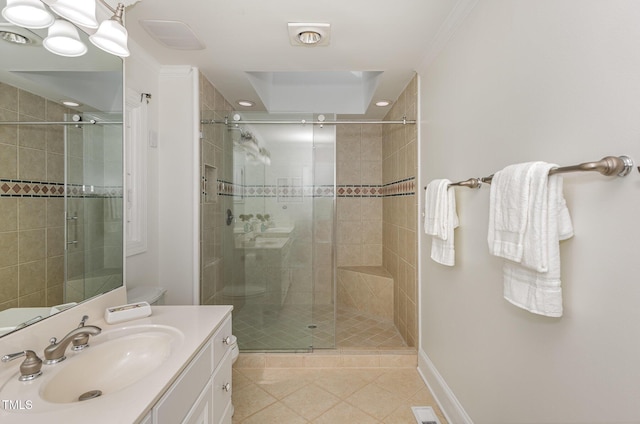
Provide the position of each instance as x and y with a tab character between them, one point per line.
376	204
359	198
399	166
31	228
218	156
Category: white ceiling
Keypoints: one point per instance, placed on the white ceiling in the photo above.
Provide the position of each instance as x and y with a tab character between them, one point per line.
392	36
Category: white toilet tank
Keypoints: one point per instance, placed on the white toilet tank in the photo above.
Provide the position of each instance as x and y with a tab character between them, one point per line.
150	294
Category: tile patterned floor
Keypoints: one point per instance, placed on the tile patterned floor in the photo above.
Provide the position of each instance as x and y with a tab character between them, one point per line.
329	395
367	375
261	328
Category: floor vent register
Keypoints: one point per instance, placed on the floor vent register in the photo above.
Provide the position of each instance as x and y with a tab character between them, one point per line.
425	415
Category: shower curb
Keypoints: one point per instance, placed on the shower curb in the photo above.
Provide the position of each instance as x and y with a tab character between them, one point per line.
330	359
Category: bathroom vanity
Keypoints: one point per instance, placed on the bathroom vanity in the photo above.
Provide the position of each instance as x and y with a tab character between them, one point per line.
171	367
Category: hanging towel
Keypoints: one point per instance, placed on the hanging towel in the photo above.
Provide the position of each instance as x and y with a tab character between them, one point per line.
508	208
440	219
534	283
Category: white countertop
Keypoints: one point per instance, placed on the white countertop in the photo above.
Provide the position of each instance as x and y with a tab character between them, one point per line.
129	405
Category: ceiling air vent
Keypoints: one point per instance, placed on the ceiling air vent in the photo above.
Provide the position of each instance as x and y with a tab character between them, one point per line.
172	34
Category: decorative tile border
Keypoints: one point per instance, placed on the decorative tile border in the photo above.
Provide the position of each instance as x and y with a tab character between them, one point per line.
405	187
22	188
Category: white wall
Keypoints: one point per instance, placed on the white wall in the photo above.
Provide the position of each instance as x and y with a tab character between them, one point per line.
179	184
524	80
170	260
142	76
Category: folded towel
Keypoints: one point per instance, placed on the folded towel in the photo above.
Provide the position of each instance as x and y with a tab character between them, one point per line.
535	238
508	210
440	219
525	285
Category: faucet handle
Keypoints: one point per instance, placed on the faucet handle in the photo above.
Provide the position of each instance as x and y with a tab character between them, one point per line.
80	341
30	367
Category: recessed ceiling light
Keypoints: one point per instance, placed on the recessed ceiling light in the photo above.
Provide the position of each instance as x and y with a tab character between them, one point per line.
14	38
70	103
383	103
246	103
309	37
309	34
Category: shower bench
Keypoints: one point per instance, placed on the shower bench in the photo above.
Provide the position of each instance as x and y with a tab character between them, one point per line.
367	289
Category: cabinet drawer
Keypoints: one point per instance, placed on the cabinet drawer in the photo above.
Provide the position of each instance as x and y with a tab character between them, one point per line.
222	389
176	403
220	342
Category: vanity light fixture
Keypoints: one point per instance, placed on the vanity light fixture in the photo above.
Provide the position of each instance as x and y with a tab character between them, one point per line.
63	40
383	103
246	103
111	35
27	14
82	13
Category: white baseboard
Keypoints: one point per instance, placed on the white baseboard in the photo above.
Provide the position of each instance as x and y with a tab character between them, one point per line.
451	408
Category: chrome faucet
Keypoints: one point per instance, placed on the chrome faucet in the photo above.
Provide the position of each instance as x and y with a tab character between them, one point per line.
54	353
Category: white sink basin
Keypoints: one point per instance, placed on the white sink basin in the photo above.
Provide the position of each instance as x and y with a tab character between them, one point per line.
124	357
282	231
265	243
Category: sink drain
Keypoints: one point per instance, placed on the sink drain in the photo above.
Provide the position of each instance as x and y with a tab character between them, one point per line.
91	394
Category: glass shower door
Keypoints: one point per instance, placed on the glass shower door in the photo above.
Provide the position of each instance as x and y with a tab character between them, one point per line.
93	206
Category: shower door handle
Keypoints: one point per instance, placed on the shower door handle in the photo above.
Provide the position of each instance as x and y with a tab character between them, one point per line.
229	217
73	219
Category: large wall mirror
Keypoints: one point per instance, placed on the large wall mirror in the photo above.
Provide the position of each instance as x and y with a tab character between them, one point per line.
61	182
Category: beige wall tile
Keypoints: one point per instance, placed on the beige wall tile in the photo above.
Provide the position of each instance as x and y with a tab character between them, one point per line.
55	167
32	136
32	277
35	299
55	271
9	286
348	172
370	172
31	245
8	133
8	214
372	254
32	164
8	161
32	213
9	97
31	105
8	250
349	209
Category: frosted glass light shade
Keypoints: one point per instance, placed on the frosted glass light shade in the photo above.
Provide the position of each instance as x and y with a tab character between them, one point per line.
112	38
27	14
63	40
80	12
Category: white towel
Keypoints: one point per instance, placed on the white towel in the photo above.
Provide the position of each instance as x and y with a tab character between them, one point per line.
534	282
440	219
508	208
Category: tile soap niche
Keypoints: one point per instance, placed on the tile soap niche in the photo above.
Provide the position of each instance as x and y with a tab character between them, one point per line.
209	184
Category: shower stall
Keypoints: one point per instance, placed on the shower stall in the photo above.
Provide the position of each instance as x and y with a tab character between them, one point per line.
295	244
268	204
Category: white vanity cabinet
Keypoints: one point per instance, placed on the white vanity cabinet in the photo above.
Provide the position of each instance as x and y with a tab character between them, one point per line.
202	392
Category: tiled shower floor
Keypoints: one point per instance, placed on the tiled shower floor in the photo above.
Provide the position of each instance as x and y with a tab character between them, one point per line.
288	329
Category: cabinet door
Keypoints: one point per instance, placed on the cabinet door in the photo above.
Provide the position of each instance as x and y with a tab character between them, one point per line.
147	419
178	400
222	389
202	411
